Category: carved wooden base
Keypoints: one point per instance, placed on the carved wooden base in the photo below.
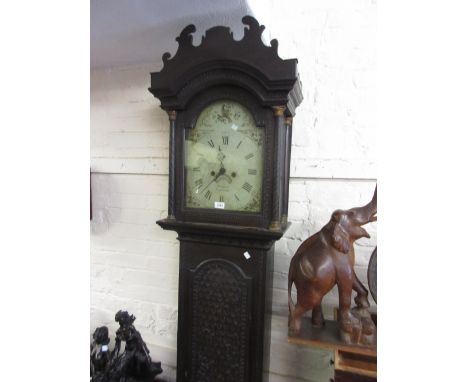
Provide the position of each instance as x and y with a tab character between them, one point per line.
344	376
363	333
326	337
353	361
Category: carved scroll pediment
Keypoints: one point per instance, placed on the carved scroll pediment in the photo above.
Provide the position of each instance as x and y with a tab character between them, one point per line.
217	50
218	42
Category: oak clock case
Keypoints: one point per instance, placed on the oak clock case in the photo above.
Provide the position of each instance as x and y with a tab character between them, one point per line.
230	105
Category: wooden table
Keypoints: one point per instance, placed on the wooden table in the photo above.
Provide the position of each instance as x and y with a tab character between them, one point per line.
356	359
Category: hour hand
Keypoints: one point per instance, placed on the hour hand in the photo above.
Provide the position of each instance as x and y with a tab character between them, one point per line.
220	156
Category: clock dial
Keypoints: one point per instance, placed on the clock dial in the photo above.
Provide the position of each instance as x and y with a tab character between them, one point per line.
224	159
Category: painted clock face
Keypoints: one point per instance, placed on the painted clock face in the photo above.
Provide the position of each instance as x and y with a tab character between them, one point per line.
224	159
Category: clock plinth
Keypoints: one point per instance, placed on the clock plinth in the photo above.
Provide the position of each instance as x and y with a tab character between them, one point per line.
230	105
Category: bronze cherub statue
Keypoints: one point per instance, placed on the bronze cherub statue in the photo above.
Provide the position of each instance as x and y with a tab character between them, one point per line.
100	354
326	259
133	364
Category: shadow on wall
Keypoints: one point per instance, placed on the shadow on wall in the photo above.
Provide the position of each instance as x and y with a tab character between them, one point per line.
101	196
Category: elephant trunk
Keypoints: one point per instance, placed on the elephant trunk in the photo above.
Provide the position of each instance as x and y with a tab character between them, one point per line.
368	212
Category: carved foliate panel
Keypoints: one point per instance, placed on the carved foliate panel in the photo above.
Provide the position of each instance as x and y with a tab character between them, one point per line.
220	309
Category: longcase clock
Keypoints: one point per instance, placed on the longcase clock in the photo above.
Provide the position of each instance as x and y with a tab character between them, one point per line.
230	105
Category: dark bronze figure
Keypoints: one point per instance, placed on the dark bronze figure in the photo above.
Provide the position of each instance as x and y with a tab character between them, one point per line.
326	259
134	363
100	354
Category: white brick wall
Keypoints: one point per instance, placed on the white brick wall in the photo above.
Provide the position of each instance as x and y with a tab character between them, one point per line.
134	263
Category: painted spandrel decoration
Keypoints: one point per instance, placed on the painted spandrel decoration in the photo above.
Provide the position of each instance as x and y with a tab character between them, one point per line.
134	364
326	259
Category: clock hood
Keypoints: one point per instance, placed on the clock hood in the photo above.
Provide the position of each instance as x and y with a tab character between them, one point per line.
221	60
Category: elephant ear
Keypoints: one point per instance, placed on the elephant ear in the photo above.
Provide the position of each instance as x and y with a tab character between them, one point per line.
340	239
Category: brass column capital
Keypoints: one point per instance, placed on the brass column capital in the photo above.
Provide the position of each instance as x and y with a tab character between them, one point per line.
288	121
172	115
278	111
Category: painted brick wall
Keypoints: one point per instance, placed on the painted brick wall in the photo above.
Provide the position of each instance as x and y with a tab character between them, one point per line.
134	263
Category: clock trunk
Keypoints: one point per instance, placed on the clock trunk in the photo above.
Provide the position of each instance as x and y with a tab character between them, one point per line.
224	298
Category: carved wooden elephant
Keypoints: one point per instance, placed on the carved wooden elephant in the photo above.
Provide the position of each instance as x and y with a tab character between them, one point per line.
326	259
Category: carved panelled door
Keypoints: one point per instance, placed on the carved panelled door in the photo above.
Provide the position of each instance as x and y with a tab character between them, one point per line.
220	307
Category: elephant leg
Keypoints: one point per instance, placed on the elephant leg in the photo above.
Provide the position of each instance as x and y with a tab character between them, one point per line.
345	317
350	326
295	318
317	315
361	299
362	302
